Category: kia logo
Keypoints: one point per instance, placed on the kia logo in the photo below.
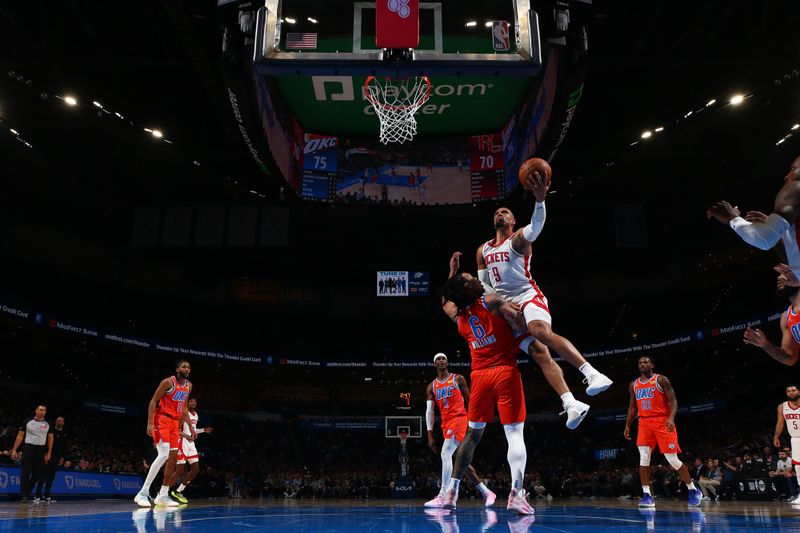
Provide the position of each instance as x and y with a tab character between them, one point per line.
402	489
3	479
117	483
69	481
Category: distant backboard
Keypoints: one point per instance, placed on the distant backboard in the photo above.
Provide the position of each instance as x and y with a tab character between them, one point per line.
456	37
408	424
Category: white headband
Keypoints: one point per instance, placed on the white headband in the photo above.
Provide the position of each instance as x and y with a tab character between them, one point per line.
438	355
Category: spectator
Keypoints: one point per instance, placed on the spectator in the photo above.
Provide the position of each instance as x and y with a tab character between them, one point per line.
783	475
711	480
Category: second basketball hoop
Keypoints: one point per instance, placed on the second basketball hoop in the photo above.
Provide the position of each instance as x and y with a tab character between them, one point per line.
395	102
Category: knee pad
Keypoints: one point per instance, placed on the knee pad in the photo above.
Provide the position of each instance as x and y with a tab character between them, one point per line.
672	459
163	449
477	425
644	456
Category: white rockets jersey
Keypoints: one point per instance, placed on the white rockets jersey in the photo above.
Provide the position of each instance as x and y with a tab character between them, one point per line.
789	239
792	417
193	417
508	270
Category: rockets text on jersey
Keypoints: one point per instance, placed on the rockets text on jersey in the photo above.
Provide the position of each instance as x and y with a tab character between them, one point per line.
448	397
490	338
508	270
193	417
792	417
172	402
651	401
793	323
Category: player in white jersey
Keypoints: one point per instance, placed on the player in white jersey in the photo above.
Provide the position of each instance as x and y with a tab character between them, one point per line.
187	451
789	416
504	268
764	232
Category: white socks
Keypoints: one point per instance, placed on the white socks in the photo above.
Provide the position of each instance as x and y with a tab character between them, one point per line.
567	398
181	487
164	491
646	489
454	483
483	489
587	370
690	485
517	455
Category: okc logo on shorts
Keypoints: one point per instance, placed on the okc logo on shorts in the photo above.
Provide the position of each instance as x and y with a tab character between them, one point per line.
70	481
671	446
449	432
400	7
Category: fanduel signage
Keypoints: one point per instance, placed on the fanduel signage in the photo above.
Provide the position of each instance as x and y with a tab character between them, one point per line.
69	482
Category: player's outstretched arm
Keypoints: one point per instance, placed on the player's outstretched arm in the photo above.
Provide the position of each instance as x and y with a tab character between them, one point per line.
671	398
786	353
523	237
455	264
763	235
776	439
631	412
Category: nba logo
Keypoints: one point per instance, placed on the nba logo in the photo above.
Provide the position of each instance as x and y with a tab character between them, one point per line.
500	40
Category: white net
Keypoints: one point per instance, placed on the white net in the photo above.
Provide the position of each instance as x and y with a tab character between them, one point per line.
395	102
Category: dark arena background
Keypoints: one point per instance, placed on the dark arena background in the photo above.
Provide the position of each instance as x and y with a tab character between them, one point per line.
204	180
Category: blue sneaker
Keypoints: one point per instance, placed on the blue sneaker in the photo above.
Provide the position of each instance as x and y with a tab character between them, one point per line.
647	501
695	497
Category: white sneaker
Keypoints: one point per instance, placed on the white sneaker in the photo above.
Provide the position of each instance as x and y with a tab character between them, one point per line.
518	501
436	503
142	500
576	412
165	501
597	384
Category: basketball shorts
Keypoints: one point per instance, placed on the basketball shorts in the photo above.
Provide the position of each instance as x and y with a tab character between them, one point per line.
165	429
796	451
500	387
534	306
455	427
187	452
653	433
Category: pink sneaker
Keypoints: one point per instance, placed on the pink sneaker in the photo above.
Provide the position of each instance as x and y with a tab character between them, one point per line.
436	503
450	499
489	499
518	501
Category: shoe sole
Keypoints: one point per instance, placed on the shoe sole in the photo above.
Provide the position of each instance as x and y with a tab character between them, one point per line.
647	506
595	392
577	422
142	504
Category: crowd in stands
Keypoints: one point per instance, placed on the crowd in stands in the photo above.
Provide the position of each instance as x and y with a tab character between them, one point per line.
283	459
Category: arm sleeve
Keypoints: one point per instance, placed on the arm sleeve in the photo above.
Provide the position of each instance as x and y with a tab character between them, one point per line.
762	236
199	430
429	415
483	277
532	230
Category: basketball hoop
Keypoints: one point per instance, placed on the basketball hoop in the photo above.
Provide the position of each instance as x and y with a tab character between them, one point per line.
395	102
403	438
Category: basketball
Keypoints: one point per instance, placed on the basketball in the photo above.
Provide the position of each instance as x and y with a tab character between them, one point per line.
534	164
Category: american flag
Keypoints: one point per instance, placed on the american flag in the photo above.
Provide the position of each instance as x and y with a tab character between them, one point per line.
301	40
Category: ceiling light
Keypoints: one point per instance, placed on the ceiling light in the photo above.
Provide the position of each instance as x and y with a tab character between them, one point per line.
794	127
12	130
711	102
737	99
660	128
687	115
312	20
290	20
157	134
97	104
471	24
647	134
148	130
70	100
488	23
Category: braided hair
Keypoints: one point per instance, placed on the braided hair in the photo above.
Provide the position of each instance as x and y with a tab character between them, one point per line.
459	291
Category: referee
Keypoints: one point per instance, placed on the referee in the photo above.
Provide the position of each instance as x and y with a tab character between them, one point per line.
36	438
